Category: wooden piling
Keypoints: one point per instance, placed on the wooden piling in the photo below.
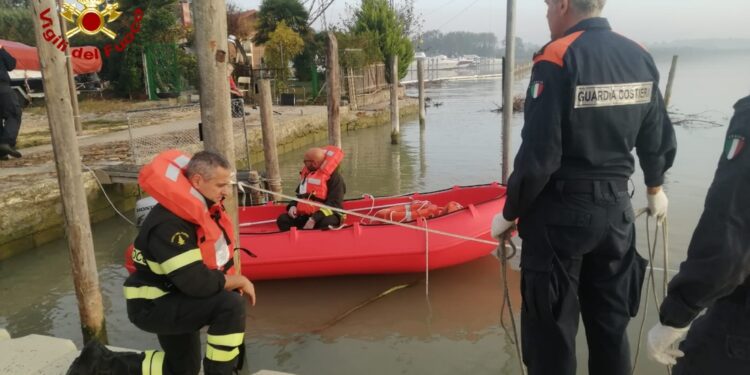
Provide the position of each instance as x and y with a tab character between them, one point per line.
71	75
508	80
394	101
351	83
420	79
210	17
269	137
670	81
333	77
69	176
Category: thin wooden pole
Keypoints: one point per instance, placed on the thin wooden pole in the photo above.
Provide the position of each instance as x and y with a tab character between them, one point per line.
420	78
69	176
333	76
210	17
508	73
668	92
352	89
71	75
269	137
394	101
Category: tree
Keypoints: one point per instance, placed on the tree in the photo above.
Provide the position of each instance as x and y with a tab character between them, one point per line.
272	12
381	21
282	46
14	23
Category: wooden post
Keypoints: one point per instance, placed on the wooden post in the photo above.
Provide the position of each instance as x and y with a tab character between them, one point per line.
394	101
420	78
352	90
71	75
69	176
333	77
668	92
508	73
269	137
210	17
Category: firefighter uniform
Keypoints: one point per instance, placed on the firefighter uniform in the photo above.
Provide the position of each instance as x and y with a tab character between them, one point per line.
593	96
715	273
173	294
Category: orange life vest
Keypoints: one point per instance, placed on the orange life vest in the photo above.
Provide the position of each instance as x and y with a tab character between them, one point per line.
164	179
414	210
315	183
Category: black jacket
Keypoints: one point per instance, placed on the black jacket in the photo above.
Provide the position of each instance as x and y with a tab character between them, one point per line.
165	236
7	63
718	259
593	97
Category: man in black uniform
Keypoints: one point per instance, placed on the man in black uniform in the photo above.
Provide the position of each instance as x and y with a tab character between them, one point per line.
173	293
715	274
322	218
10	108
592	98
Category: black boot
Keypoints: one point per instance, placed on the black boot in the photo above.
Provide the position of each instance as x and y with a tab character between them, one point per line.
7	149
96	359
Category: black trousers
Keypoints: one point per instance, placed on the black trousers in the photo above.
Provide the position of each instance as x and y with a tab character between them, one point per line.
719	341
579	256
177	320
10	116
286	222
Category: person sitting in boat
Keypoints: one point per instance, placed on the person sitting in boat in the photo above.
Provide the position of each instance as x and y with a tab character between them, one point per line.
183	279
321	182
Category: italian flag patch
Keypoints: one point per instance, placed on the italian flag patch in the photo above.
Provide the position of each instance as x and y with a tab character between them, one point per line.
733	146
536	88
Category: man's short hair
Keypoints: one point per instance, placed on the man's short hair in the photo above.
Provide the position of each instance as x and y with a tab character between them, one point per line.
588	7
204	163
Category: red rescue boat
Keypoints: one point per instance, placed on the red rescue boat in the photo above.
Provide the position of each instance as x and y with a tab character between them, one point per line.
360	247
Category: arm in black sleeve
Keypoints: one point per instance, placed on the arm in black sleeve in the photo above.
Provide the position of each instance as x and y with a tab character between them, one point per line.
174	246
656	145
8	60
541	146
718	257
293	203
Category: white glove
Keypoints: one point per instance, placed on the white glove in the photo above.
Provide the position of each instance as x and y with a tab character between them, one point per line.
660	339
657	205
293	212
500	225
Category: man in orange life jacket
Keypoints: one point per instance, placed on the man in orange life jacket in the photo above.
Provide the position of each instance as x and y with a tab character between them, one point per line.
593	97
174	292
320	181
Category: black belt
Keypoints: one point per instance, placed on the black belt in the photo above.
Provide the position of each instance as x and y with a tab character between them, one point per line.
588	186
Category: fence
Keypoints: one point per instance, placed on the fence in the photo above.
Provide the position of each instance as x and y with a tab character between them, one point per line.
147	139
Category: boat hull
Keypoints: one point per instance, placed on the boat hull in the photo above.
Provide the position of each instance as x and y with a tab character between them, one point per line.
373	248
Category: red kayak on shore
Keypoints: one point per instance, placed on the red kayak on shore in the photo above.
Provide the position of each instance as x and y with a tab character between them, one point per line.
364	247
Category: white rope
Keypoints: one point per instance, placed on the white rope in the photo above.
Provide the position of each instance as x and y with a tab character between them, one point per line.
107	196
650	286
373	218
426	260
356	209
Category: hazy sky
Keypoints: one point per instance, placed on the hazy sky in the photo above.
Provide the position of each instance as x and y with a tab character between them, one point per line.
647	21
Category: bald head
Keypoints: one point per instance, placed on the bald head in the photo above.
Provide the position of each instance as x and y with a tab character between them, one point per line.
314	158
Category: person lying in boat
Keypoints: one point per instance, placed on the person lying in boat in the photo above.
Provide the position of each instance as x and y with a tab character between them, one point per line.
320	182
